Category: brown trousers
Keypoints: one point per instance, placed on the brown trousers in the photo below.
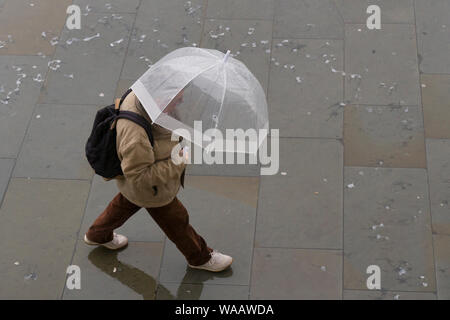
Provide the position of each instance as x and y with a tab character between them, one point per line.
173	219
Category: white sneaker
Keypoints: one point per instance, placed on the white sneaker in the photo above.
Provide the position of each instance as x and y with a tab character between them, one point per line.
218	262
119	241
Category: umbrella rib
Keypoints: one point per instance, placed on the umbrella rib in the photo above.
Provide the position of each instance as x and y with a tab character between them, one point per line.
223	95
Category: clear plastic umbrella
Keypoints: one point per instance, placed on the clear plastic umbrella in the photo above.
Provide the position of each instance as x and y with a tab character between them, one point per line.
196	84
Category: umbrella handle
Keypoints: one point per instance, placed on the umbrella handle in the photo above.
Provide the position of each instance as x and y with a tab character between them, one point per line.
226	56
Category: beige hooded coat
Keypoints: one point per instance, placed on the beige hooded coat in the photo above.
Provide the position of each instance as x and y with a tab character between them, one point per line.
150	178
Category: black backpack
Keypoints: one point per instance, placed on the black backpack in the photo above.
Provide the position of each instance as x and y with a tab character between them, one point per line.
101	151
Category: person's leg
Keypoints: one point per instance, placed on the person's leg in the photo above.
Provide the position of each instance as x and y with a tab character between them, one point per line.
116	213
173	219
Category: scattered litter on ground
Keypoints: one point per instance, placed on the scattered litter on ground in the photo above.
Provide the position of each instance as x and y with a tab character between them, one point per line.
38	78
93	37
72	40
401	271
375	226
54	41
30	276
54	64
113	44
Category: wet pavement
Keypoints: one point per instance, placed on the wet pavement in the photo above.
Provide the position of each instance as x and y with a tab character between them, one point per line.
364	150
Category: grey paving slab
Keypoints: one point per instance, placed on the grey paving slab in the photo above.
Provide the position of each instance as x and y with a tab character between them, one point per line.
162	26
381	65
107	6
55	141
122	86
387	223
305	95
384	136
16	112
438	157
303	208
399	11
307	274
387	295
242	189
6	166
128	274
25	23
248	41
240	9
179	291
436	105
88	61
307	19
227	225
433	35
39	221
140	227
442	257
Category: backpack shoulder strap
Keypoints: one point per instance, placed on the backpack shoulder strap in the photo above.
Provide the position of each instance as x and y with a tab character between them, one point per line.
138	119
118	102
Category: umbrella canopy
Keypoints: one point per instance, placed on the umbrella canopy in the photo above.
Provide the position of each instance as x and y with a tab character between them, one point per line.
196	84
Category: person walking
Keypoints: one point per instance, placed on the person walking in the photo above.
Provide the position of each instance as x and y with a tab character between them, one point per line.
151	180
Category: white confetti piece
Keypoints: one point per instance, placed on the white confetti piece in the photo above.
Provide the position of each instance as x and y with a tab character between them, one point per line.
350	186
30	276
283	173
38	116
93	37
323	268
113	44
38	78
54	64
17	263
54	41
